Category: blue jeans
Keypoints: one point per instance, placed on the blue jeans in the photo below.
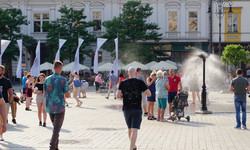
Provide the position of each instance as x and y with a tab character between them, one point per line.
240	102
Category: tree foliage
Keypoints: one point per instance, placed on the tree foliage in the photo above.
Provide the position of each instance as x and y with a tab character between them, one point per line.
11	21
70	26
235	54
130	27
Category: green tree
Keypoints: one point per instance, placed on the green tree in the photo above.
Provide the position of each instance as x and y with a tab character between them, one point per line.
70	26
131	27
235	54
11	21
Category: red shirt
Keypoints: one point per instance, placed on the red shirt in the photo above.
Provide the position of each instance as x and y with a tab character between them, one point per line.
173	83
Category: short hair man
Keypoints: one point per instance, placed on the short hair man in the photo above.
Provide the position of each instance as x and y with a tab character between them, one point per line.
174	82
112	84
55	88
240	86
144	99
6	89
131	92
24	87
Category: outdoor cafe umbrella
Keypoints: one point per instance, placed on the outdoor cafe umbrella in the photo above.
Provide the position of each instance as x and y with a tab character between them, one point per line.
163	66
136	65
152	63
69	66
46	66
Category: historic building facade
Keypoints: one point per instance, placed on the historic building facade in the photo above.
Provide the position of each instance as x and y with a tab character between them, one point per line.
184	24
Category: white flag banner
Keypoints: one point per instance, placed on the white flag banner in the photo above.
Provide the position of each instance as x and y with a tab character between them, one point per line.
35	69
76	62
4	45
19	65
61	43
115	64
100	42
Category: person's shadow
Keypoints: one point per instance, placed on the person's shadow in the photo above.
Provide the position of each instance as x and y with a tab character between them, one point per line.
10	145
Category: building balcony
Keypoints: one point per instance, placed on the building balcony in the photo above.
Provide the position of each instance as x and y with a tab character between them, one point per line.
193	35
172	35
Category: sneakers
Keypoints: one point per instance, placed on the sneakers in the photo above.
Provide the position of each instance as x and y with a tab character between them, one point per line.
237	127
28	109
40	123
146	114
44	124
1	138
106	97
14	121
244	127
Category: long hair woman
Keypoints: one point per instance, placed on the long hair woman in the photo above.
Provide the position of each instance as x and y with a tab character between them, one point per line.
76	88
151	100
29	90
40	100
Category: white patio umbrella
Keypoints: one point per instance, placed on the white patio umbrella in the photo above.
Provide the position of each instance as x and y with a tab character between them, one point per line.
152	63
46	66
136	65
162	66
105	67
172	63
69	66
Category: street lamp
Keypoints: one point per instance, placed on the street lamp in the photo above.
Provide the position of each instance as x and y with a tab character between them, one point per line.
204	109
219	13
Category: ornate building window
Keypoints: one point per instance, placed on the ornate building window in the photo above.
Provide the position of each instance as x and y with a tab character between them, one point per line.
193	21
172	21
40	19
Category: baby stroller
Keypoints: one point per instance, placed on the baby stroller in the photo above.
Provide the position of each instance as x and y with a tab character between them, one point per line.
179	103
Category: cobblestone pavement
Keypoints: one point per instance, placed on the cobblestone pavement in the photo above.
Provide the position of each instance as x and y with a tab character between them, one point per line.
99	125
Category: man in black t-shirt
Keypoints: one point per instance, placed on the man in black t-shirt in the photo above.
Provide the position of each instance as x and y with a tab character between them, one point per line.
6	88
131	91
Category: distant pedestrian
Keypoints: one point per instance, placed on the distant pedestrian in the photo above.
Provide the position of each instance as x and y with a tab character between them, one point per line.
40	100
185	82
55	88
162	95
174	82
121	78
194	87
144	98
70	81
112	84
83	88
76	88
240	86
98	82
151	99
6	88
3	116
131	92
24	79
29	91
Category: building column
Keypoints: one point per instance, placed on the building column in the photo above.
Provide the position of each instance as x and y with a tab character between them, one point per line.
183	20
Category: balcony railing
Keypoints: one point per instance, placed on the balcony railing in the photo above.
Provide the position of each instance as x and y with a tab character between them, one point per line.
193	34
172	35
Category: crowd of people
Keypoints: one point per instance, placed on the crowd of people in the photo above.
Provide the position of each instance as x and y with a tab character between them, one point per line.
138	94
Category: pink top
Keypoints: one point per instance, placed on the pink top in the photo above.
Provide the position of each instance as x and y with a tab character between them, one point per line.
98	79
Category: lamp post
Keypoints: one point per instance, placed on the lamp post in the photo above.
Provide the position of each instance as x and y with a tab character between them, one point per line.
204	109
219	13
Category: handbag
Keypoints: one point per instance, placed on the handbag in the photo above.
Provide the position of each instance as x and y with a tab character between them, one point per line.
77	83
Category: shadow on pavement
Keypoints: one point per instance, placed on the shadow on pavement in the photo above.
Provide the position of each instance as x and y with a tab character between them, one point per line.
11	146
62	130
18	127
191	123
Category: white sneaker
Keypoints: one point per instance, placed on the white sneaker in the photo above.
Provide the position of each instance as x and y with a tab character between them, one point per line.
1	138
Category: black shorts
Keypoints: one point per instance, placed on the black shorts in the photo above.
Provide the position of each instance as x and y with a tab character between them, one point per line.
24	90
133	118
171	96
